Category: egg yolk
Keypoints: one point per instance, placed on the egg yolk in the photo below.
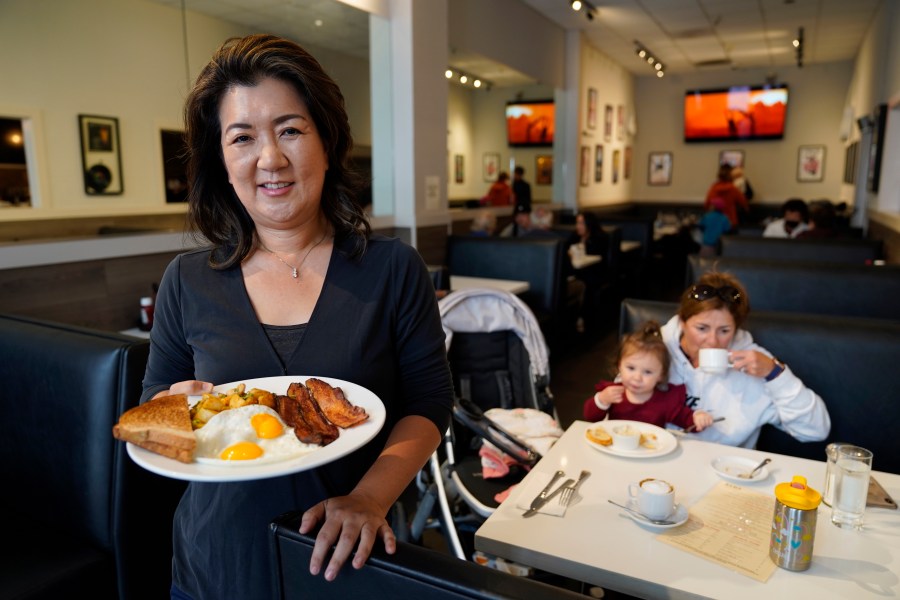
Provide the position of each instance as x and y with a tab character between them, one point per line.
241	451
266	426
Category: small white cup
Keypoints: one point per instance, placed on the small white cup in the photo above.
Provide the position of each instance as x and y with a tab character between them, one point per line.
714	360
655	498
626	437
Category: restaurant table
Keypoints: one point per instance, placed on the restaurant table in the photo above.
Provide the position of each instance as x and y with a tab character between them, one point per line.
629	245
459	282
596	542
586	261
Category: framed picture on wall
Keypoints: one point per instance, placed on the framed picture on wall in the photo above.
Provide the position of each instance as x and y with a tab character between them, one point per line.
174	150
543	169
850	158
598	163
810	163
617	161
101	158
592	108
735	158
659	168
585	165
491	166
607	123
458	163
627	169
620	122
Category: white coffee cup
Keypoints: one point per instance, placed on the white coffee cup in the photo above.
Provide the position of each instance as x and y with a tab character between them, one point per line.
626	437
655	498
714	360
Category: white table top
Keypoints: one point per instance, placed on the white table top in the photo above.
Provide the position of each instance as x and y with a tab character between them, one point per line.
595	542
629	245
459	282
586	261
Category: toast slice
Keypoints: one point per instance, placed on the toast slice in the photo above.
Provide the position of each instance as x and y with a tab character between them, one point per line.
161	425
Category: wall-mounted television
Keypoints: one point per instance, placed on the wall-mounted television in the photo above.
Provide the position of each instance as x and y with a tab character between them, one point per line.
530	123
735	113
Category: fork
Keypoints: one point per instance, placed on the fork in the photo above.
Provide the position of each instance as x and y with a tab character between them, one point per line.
566	496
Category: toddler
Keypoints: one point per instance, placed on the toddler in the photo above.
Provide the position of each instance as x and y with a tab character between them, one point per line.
641	391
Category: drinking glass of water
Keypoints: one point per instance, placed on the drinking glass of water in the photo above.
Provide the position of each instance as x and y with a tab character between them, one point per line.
851	486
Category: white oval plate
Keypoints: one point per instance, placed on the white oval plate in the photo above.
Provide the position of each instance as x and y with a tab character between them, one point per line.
665	441
730	466
348	441
680	517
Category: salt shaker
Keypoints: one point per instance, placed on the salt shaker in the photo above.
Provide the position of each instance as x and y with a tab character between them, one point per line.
794	524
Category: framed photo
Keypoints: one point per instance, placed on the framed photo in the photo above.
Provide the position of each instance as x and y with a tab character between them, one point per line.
810	163
617	160
585	165
850	158
659	168
592	108
491	166
620	122
735	158
598	163
543	169
101	159
458	172
627	170
174	150
607	123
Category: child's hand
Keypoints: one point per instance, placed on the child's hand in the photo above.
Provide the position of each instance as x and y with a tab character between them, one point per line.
611	395
702	420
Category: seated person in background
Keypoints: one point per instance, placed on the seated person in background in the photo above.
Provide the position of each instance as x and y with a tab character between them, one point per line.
724	188
757	389
484	224
713	224
792	223
541	223
640	391
822	222
500	193
521	224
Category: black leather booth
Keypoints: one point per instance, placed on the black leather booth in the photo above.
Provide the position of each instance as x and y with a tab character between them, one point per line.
832	250
811	287
850	362
412	572
80	519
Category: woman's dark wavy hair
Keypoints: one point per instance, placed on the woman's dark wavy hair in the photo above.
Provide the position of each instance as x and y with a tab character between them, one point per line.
214	209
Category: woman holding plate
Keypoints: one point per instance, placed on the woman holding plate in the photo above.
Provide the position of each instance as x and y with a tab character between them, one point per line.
757	389
292	282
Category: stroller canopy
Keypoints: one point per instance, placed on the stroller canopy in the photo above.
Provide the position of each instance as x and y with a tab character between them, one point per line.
487	310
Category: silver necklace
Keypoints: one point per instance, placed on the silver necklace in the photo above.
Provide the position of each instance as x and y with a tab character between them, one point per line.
295	271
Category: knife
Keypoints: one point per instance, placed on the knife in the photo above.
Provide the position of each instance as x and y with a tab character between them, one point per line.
543	493
543	499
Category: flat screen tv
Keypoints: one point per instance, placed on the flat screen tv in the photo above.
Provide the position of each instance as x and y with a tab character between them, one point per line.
735	113
530	123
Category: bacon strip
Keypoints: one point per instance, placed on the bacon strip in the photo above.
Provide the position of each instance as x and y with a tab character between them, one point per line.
289	409
335	405
312	414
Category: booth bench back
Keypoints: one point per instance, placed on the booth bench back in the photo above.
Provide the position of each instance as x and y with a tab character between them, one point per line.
811	287
846	251
79	515
849	362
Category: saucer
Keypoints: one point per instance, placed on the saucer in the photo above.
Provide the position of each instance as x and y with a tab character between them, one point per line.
679	516
730	466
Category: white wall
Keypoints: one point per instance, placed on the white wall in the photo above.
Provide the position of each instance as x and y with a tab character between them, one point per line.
123	59
814	114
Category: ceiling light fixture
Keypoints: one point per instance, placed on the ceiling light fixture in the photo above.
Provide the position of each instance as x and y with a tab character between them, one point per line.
466	79
798	44
590	11
648	57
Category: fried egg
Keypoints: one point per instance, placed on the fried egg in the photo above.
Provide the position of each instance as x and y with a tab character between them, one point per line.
251	434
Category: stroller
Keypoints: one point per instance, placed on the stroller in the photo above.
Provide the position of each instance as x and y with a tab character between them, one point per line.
498	360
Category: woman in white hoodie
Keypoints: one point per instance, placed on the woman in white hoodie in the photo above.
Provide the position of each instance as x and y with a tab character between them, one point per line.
758	389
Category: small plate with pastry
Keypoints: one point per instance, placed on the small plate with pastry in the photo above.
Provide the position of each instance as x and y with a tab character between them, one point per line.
631	439
252	429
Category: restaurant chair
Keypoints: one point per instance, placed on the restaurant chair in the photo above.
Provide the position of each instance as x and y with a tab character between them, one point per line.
498	359
413	571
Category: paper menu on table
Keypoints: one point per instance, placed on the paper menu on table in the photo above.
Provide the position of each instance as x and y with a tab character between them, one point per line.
731	526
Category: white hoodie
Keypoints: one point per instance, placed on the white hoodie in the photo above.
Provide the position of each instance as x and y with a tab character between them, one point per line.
746	402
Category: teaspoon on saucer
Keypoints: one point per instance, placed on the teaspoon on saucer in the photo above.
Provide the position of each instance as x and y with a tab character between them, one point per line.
642	515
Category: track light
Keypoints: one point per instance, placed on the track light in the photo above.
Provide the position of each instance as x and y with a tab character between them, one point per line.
647	56
576	5
464	78
590	11
798	44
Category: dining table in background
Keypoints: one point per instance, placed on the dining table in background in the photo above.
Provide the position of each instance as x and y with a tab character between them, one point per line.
460	282
595	542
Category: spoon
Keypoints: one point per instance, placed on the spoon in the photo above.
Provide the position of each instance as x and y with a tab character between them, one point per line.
642	515
754	471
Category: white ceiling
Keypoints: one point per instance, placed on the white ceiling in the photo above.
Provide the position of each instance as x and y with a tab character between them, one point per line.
686	35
